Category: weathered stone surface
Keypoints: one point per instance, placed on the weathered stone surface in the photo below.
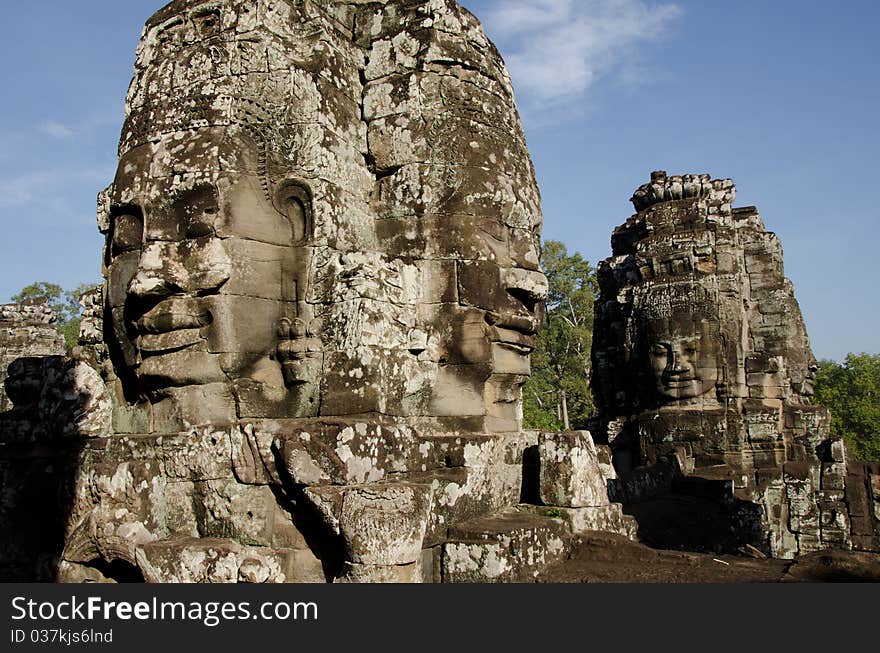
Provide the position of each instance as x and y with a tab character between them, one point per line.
208	561
55	397
608	519
385	525
397	575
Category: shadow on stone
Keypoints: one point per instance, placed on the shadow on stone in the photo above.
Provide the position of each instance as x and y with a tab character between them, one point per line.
309	522
689	513
38	473
689	522
531	482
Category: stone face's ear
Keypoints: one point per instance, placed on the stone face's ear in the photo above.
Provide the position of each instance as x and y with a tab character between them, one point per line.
293	199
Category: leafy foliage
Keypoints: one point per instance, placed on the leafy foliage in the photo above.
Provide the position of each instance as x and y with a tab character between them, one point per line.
852	393
65	303
558	395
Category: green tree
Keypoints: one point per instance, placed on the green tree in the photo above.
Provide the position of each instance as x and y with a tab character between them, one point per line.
65	303
852	393
558	395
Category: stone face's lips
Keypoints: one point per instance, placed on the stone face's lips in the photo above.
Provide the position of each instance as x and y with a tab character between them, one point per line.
678	381
170	341
175	323
524	323
514	338
167	322
173	314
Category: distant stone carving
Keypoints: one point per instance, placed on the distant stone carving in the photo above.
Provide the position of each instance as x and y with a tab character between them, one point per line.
26	332
680	338
701	357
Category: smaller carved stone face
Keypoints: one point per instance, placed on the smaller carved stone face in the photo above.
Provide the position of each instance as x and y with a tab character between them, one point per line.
684	357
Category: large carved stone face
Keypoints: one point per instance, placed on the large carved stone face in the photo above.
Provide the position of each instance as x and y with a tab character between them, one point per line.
684	355
326	225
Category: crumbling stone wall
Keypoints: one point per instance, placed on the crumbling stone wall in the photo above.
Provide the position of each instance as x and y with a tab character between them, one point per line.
26	332
701	355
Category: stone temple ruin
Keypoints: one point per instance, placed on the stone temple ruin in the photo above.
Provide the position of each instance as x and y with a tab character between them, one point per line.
321	290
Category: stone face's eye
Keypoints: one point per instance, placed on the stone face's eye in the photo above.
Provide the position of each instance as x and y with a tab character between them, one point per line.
196	211
127	231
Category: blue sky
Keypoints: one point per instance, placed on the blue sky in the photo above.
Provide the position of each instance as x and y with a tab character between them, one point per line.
780	96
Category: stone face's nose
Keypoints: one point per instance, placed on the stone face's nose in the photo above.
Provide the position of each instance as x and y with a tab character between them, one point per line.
678	363
528	287
188	267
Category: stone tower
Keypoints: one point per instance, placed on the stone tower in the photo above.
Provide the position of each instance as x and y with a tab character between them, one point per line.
701	356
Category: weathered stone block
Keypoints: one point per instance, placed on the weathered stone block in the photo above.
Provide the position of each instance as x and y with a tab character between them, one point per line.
609	519
207	561
570	473
372	574
509	547
385	525
465	493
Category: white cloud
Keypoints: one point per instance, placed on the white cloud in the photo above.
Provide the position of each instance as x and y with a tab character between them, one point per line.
48	188
561	47
56	129
514	16
21	190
